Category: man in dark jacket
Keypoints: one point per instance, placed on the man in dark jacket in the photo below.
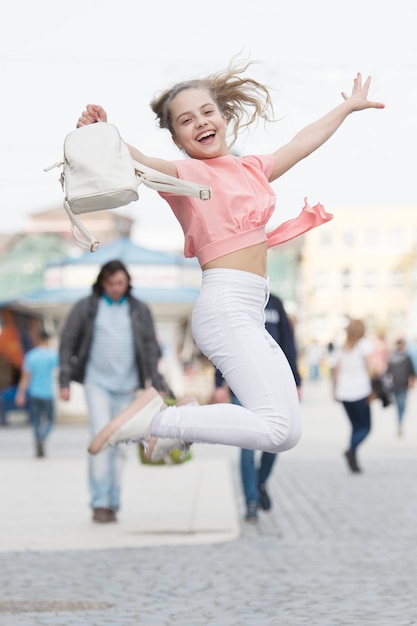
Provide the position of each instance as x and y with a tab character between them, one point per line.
109	344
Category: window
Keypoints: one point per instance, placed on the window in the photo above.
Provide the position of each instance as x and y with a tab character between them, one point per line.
370	279
371	238
325	237
396	279
346	279
396	238
348	237
320	280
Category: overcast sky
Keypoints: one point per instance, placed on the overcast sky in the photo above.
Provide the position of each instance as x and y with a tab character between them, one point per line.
57	57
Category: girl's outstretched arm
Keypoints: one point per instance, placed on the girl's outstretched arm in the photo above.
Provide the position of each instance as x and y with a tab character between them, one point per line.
95	113
317	133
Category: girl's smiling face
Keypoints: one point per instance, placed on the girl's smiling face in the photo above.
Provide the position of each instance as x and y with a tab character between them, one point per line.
198	127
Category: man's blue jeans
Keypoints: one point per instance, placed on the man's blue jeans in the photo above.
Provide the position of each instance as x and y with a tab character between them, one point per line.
400	399
105	469
41	413
251	475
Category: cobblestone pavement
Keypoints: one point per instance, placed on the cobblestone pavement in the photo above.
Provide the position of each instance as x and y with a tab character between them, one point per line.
336	550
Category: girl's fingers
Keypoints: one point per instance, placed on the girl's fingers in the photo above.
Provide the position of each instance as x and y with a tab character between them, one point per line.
377	105
367	83
91	114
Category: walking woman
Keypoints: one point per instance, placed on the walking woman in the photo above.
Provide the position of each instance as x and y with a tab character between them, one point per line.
352	386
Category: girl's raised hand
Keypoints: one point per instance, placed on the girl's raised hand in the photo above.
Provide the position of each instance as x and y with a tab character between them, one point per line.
92	114
359	96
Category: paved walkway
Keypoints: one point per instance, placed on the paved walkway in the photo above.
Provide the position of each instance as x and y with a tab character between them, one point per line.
337	549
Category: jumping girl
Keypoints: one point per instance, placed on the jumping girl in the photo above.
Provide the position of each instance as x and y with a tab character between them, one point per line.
228	236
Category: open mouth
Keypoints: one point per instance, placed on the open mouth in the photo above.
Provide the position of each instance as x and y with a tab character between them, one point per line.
206	137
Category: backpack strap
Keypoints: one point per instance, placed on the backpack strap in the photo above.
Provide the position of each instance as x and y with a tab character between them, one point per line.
170	184
81	234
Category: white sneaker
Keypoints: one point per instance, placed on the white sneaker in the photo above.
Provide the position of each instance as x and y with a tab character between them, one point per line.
164	446
133	424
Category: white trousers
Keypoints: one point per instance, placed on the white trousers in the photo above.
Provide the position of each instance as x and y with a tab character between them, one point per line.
228	326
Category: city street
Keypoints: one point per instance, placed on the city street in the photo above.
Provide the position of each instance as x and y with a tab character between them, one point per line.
337	549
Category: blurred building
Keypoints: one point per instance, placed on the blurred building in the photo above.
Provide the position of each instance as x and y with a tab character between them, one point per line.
106	225
47	239
361	264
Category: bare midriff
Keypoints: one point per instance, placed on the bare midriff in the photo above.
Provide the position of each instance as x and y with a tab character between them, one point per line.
251	259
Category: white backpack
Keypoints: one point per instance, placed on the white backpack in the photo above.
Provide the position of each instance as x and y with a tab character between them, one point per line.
99	173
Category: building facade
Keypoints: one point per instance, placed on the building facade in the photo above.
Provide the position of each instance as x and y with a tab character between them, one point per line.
361	264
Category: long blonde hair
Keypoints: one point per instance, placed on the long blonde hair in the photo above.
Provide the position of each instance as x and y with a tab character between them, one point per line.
241	100
355	330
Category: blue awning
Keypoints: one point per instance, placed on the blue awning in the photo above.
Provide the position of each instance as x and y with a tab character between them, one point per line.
128	252
154	295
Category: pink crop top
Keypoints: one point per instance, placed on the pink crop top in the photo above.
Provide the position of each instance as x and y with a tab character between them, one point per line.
241	204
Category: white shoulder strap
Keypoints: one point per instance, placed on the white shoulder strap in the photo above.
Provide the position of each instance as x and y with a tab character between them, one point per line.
169	184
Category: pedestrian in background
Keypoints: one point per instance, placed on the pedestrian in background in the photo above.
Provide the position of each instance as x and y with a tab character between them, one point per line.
37	385
380	353
352	386
314	355
402	373
331	358
254	476
109	344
